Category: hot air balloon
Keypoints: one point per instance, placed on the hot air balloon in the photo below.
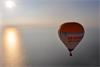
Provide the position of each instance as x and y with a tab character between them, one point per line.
71	33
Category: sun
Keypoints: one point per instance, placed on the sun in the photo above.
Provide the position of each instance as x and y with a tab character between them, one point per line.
10	4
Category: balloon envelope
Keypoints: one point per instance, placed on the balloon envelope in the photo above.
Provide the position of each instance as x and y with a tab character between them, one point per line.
71	33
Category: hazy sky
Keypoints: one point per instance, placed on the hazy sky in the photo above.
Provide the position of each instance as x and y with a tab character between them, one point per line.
40	20
51	12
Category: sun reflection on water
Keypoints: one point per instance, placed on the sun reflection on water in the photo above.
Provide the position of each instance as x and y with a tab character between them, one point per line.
12	48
